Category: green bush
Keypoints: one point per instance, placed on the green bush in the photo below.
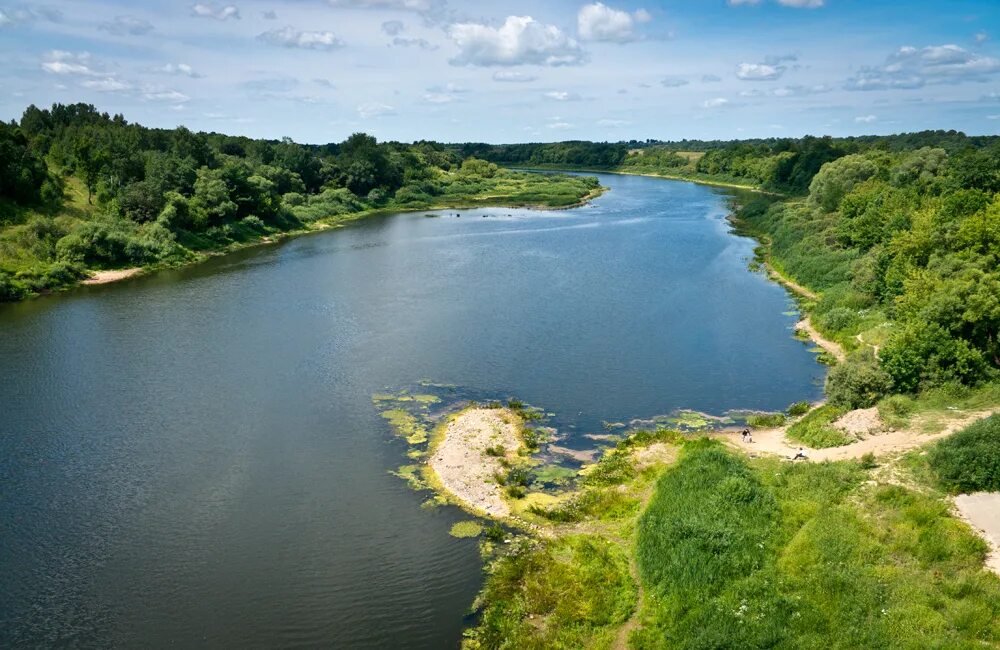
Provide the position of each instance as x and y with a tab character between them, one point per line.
969	461
799	408
766	420
815	429
859	382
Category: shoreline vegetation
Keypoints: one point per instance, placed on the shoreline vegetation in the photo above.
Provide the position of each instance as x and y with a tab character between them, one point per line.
86	197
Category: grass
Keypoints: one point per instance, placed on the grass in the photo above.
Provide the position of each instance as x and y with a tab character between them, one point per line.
969	461
815	429
571	592
765	420
738	554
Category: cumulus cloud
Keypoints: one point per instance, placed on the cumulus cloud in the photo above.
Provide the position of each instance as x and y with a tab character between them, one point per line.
521	40
375	109
787	91
166	95
982	37
105	84
759	71
599	22
126	25
291	37
865	119
673	82
512	76
911	67
715	102
202	10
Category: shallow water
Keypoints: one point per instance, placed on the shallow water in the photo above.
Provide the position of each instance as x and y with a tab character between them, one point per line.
193	458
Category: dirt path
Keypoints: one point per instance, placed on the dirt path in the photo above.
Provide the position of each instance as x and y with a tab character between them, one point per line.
981	510
791	284
832	347
775	441
104	277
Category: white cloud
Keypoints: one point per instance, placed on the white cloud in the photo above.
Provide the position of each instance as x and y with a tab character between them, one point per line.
126	25
787	91
562	96
375	109
410	5
105	84
177	69
911	67
716	102
559	125
521	40
163	95
62	62
982	37
759	71
605	121
291	37
511	76
865	119
673	82
201	10
599	22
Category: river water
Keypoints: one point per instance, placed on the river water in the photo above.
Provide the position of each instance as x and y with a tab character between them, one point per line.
193	458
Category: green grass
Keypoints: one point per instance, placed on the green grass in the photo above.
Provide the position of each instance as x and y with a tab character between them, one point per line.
969	461
815	429
766	420
571	592
737	554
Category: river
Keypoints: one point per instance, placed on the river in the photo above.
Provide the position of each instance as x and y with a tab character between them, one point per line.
193	458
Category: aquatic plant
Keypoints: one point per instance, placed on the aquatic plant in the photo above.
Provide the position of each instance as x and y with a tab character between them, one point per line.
465	529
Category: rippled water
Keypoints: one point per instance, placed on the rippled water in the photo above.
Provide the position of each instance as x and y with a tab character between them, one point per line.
193	457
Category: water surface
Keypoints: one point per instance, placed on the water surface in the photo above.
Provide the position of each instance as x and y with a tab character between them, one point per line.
193	458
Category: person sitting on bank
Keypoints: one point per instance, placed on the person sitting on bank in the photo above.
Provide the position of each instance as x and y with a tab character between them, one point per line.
801	454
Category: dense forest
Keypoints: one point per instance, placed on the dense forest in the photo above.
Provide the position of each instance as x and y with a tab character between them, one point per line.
83	190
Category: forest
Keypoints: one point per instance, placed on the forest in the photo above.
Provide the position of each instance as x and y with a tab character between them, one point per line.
81	190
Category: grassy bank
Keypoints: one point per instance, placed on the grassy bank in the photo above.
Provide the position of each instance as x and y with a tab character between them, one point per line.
727	551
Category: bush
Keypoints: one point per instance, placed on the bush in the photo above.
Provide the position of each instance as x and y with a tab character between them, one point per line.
859	382
799	408
815	430
969	461
253	222
766	420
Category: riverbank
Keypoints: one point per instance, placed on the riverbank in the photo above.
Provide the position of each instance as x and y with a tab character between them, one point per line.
700	180
511	191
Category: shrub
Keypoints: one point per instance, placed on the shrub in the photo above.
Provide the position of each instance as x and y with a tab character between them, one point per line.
859	382
969	461
867	461
815	430
799	408
766	420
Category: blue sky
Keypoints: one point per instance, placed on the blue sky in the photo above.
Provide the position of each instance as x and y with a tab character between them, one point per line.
456	70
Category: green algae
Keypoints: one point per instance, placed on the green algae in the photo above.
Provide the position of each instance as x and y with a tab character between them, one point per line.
465	529
406	425
412	475
690	420
555	474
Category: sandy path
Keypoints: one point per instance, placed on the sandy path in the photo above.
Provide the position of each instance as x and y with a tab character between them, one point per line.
832	347
104	277
774	441
981	510
462	465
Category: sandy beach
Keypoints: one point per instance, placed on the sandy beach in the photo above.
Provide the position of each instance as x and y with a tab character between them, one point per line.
462	465
104	277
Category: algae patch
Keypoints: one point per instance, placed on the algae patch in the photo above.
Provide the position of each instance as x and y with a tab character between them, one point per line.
465	529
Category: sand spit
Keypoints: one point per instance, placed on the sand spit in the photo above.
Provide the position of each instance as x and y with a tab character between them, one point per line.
104	277
462	465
